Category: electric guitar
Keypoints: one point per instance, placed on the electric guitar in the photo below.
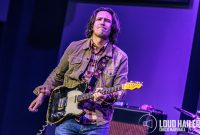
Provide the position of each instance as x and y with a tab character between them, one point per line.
63	102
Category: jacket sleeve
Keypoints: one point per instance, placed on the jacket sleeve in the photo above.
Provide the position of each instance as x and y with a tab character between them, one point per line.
120	78
56	77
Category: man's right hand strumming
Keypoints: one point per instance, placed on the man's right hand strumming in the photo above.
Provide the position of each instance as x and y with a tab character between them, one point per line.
36	103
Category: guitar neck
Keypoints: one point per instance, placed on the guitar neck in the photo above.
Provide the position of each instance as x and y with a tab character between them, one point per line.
103	91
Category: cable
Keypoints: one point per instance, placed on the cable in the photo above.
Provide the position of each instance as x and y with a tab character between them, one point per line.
43	128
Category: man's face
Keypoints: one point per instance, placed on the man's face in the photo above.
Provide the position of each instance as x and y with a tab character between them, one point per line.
102	24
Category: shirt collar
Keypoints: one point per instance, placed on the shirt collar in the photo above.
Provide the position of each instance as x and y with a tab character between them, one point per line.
108	48
95	49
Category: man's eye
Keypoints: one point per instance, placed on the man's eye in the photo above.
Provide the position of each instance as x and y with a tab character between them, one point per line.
107	20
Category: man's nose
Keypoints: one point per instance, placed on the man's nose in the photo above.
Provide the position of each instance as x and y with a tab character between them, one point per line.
102	21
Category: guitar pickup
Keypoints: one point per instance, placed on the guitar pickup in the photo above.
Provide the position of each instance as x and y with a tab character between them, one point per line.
61	103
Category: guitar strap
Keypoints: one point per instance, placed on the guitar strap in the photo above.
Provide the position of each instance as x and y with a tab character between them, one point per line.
91	85
100	68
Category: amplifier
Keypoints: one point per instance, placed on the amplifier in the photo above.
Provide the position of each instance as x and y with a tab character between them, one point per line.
132	121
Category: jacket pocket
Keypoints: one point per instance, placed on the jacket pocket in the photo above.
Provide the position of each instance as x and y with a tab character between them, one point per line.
74	64
109	72
75	60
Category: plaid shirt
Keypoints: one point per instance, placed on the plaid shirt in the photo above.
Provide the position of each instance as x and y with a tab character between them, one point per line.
92	65
90	116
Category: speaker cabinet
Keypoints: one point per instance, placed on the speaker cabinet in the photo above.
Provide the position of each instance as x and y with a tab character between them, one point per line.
129	121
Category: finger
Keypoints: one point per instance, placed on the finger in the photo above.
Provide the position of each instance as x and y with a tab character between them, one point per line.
97	96
94	95
35	107
30	108
36	110
98	89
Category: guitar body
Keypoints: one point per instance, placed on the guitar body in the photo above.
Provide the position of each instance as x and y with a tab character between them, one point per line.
63	104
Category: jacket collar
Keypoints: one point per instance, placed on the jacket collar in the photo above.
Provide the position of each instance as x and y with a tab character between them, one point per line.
108	52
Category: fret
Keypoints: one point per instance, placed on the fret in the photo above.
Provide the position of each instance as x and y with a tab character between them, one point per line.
104	91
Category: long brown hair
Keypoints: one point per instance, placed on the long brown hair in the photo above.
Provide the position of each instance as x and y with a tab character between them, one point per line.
115	28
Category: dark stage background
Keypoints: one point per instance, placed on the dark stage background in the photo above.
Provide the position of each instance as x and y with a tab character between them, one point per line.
160	38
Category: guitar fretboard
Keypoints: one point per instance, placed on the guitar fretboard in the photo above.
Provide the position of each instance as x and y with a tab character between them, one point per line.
103	91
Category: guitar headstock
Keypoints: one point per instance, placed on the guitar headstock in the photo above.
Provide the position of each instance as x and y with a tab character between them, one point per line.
132	85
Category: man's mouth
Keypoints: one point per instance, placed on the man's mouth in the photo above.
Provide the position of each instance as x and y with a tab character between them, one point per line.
102	28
